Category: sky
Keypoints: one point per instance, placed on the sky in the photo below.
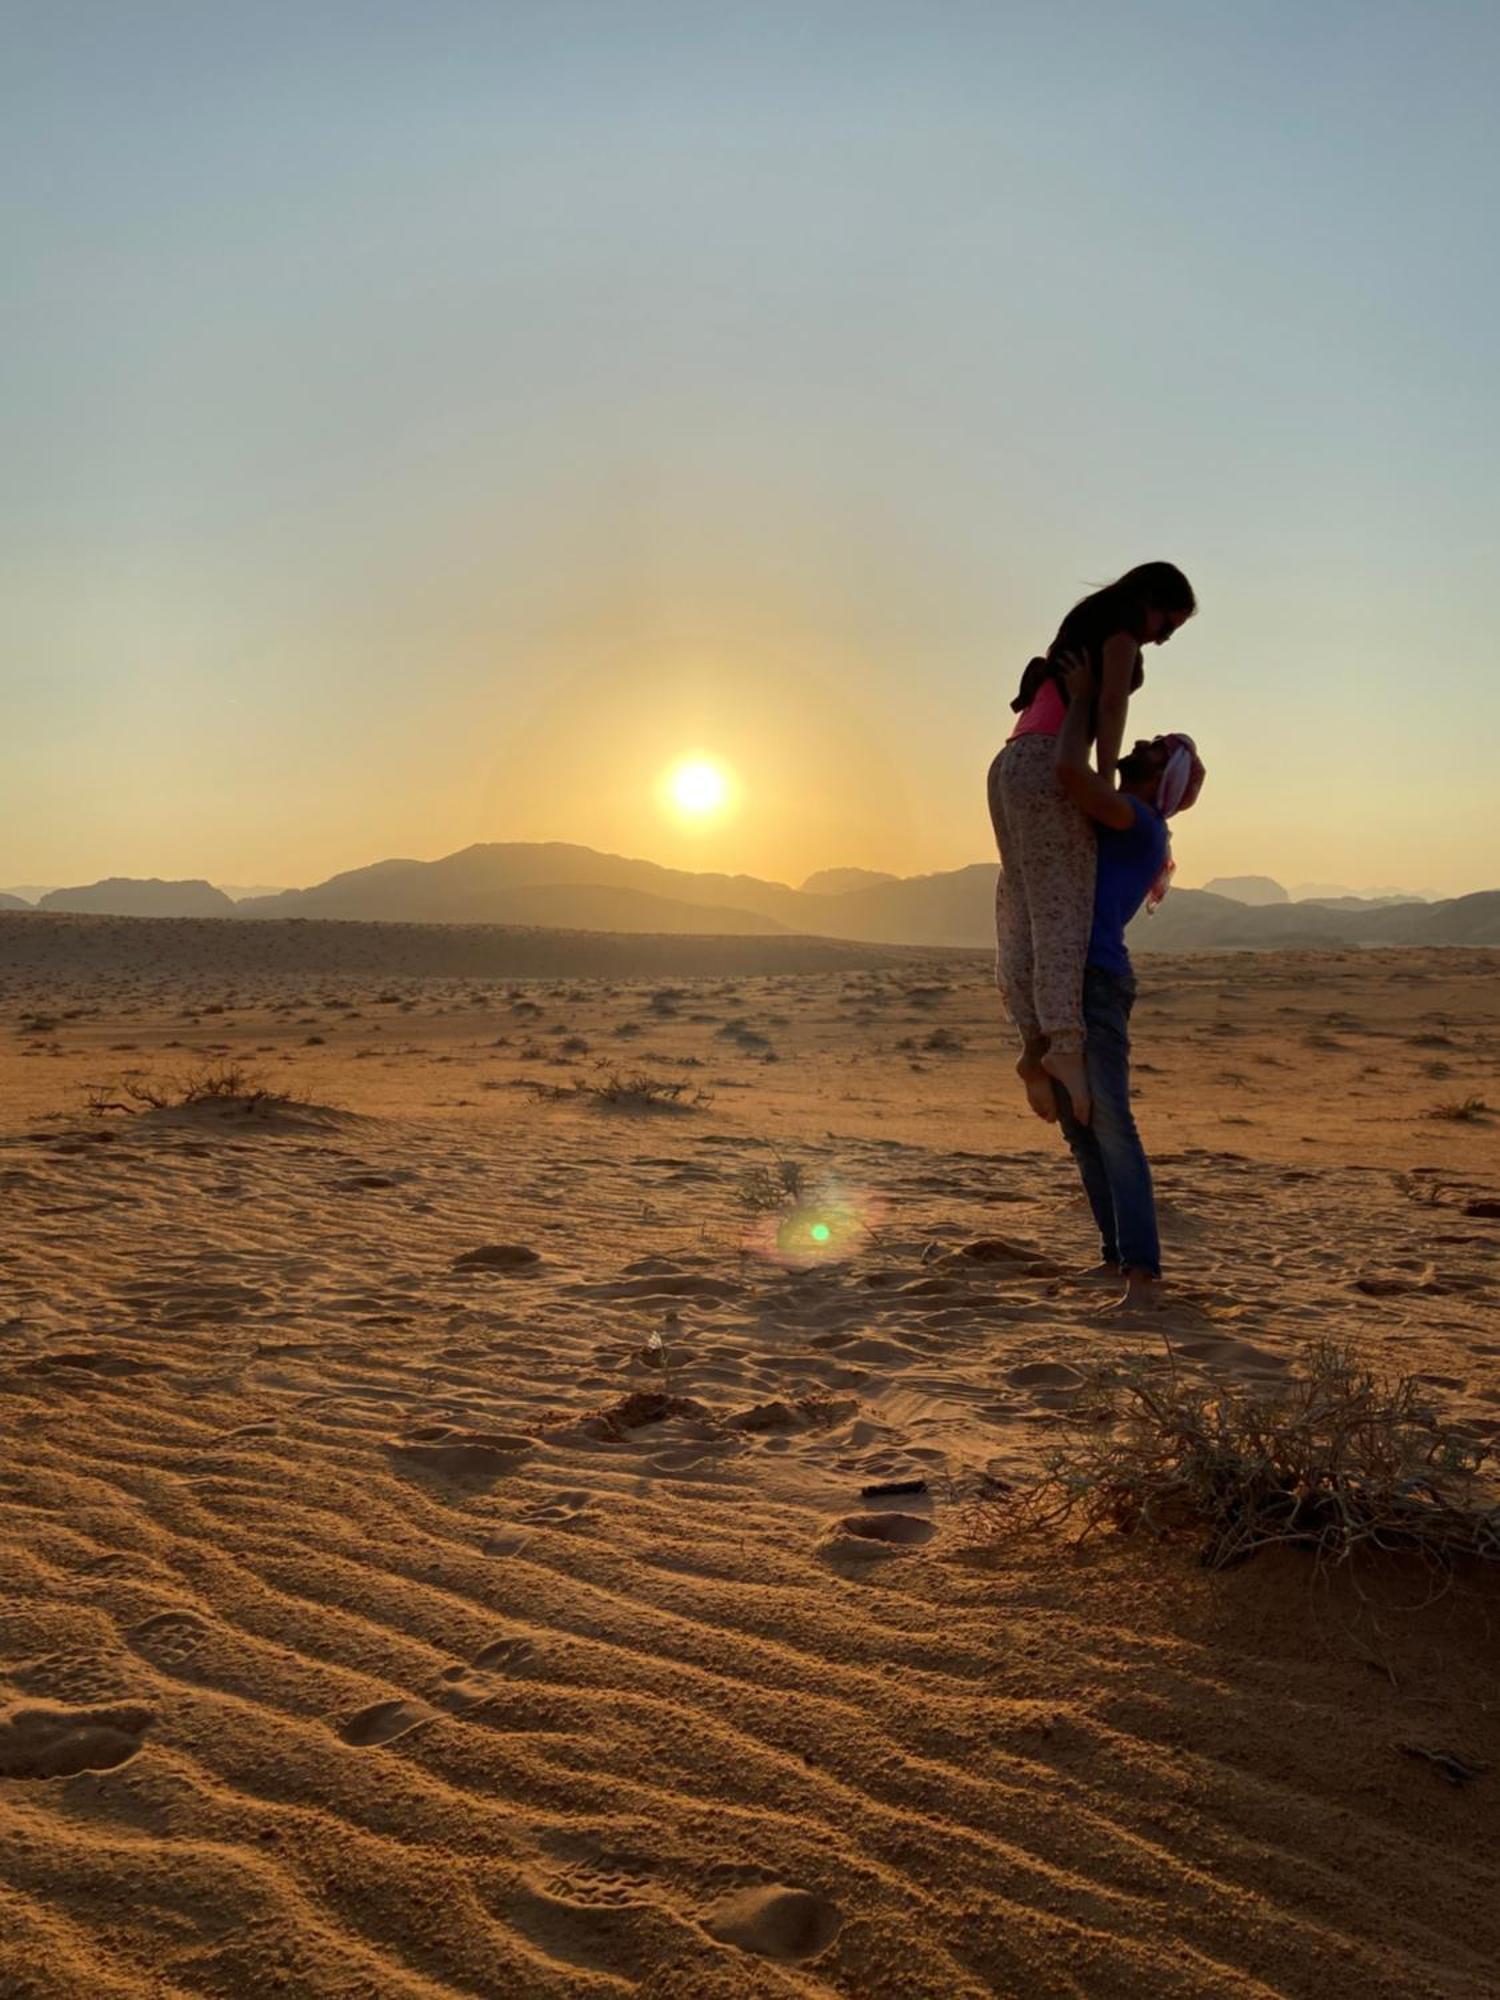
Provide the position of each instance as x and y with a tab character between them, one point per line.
426	423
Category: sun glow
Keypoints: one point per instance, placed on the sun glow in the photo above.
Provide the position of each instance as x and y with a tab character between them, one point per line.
698	791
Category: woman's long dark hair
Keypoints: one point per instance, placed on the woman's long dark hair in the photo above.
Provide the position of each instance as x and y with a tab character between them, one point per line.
1120	606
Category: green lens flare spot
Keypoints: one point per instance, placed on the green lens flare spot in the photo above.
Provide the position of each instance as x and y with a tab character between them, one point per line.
820	1232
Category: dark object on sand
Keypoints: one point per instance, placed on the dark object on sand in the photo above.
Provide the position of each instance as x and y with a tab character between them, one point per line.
1457	1770
890	1487
498	1257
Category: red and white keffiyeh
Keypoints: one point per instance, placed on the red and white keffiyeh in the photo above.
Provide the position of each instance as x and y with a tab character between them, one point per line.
1176	789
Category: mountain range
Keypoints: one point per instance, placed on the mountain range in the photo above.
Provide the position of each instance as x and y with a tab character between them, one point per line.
557	885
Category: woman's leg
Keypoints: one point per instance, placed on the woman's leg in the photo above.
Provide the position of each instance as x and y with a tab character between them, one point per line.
1014	964
1013	958
1058	859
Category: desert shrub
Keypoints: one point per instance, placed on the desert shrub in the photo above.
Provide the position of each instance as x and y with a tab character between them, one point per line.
1338	1460
216	1083
768	1189
1464	1111
625	1090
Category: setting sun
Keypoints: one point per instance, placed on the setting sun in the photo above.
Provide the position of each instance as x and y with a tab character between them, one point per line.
698	791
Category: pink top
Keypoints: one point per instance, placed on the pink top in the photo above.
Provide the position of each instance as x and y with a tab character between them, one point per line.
1046	714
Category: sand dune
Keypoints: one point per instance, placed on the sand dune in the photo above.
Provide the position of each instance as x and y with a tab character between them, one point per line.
433	1544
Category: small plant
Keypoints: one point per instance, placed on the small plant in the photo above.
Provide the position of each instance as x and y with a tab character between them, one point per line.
773	1189
221	1083
1338	1460
1465	1111
624	1090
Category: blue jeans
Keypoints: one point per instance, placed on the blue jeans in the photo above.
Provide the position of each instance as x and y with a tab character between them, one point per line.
1111	1159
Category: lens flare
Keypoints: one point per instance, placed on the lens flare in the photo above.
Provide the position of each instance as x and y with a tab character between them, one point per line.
828	1224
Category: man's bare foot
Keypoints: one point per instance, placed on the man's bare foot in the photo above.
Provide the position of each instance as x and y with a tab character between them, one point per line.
1098	1274
1038	1084
1068	1067
1143	1293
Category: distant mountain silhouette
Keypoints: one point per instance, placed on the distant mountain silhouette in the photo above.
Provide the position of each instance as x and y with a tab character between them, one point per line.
833	881
1338	892
13	902
559	886
122	897
540	882
1192	920
1253	889
1352	902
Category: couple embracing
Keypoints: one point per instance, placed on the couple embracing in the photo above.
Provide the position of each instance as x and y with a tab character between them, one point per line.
1084	843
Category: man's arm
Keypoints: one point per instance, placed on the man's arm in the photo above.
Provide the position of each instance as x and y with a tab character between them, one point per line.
1118	665
1097	797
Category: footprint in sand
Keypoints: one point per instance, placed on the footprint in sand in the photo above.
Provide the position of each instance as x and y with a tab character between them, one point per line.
91	1362
792	1925
560	1511
463	1454
591	1873
1055	1375
383	1722
470	1685
1238	1354
868	1537
682	1461
505	1542
117	1562
60	1742
170	1637
600	1887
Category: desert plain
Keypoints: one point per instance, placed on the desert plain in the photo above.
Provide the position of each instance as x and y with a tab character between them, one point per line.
434	1556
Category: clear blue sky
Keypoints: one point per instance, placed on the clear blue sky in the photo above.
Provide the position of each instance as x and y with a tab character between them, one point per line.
423	422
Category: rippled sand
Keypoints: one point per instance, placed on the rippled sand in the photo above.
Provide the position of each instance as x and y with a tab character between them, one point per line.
366	1629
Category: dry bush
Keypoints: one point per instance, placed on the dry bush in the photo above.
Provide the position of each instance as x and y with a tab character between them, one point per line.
216	1083
624	1090
1465	1111
1338	1460
770	1190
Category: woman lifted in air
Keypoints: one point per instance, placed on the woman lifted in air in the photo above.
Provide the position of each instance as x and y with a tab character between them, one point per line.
1044	901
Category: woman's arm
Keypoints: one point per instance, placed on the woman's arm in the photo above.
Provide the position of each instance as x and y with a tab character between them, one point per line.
1119	661
1091	793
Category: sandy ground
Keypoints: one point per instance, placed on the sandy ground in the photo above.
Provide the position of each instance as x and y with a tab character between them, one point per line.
346	1648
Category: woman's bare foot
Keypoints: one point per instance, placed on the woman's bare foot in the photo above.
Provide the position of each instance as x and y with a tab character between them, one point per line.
1038	1085
1068	1067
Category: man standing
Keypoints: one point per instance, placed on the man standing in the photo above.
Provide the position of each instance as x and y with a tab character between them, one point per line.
1157	779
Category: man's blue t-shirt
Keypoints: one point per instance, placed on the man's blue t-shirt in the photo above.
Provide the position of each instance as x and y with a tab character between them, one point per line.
1129	862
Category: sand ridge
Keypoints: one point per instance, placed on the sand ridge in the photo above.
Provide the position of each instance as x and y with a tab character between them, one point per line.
433	1549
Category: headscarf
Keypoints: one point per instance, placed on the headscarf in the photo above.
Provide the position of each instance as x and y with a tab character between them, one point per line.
1176	789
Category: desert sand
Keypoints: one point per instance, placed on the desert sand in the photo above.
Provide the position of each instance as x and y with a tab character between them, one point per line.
357	1637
